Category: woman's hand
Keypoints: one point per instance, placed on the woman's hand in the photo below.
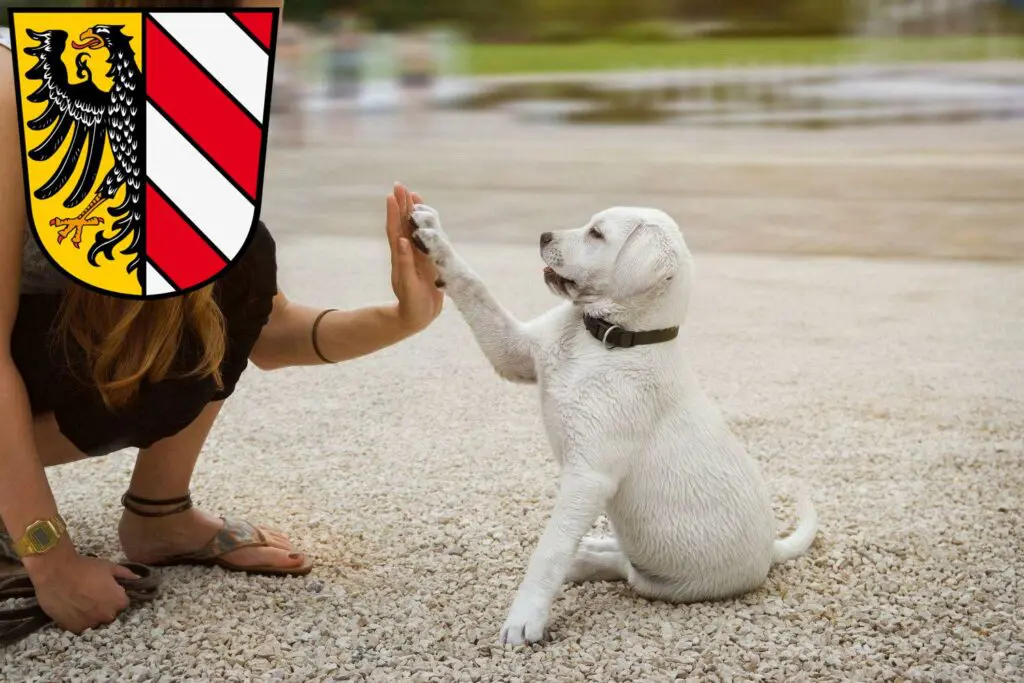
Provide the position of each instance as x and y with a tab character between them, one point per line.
78	592
343	335
412	273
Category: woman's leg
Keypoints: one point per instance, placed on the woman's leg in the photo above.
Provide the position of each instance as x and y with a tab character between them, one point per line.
164	471
52	446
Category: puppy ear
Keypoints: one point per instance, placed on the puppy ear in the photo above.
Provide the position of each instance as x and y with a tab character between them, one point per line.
645	261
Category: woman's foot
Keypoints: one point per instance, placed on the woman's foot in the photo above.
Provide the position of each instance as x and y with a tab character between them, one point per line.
151	540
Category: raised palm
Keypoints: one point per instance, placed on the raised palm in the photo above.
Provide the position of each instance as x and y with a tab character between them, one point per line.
413	276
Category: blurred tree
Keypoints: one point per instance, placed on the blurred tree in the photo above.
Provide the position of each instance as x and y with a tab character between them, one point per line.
481	19
800	17
600	13
697	10
313	10
817	16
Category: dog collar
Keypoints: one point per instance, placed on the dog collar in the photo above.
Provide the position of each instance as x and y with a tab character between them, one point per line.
613	336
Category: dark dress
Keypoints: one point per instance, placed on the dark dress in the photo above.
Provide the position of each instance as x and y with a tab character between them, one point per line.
245	293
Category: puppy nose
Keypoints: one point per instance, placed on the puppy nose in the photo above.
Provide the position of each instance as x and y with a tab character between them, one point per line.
546	238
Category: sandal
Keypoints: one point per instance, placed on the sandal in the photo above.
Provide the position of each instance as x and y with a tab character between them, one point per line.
234	535
18	622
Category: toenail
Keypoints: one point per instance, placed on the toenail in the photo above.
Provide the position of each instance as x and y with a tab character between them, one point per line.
295	556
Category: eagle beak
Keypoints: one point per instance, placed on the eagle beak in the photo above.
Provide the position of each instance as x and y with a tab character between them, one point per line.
90	41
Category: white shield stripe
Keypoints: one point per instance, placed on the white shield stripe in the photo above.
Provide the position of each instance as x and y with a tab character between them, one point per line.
222	213
155	282
225	50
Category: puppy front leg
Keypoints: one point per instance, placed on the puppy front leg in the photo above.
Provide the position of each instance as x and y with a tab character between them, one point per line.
501	337
582	496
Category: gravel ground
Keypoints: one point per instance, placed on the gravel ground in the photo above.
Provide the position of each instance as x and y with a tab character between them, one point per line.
421	483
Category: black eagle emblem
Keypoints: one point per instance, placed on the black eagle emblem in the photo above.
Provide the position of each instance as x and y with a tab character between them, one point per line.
91	117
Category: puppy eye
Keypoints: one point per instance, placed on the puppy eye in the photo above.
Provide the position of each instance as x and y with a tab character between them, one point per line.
595	233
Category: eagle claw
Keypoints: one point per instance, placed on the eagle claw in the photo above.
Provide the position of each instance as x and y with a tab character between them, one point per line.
73	227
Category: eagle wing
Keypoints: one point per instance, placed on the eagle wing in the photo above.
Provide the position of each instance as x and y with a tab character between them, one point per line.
76	108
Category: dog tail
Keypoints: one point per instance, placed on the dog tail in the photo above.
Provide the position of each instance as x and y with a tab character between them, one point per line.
797	543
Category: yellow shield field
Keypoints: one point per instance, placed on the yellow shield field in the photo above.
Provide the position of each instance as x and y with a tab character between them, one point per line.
67	145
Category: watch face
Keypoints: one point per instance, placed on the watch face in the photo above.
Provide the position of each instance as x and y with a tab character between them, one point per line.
41	535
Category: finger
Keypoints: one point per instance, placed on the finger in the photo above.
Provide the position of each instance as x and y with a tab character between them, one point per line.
402	196
402	193
122	603
406	265
416	198
394	225
405	257
122	572
405	209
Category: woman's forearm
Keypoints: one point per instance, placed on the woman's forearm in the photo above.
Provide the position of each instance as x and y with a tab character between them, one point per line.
341	335
25	494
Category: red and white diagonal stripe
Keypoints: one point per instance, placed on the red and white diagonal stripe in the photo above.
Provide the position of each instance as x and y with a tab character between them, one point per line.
206	85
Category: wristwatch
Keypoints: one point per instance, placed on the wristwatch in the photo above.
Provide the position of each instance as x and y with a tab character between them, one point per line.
41	536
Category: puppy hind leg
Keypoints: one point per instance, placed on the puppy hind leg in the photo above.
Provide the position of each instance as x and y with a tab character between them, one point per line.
603	544
678	591
664	589
591	566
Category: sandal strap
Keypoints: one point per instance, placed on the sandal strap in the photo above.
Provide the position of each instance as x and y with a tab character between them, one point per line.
182	503
234	535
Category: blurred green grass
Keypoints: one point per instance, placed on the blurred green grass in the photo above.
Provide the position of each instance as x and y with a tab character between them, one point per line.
604	56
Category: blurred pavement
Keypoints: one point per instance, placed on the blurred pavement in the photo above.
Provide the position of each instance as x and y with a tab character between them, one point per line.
894	191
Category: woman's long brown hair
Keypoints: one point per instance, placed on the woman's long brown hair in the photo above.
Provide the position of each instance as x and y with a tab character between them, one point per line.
126	342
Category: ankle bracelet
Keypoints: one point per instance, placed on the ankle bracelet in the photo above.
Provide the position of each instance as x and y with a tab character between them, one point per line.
181	504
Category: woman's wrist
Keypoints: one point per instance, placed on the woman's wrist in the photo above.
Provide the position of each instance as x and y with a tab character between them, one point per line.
401	322
43	566
343	335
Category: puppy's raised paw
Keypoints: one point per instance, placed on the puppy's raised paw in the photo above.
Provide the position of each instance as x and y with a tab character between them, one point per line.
424	216
427	234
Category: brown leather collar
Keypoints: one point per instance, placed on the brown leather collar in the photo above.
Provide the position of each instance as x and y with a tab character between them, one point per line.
613	336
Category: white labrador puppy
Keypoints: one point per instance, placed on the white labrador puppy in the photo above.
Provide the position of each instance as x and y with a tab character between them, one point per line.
633	434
